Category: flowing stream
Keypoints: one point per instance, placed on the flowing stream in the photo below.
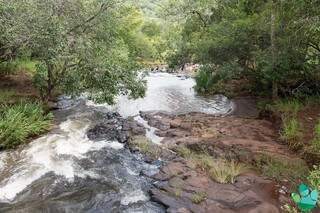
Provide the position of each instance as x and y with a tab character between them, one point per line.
64	171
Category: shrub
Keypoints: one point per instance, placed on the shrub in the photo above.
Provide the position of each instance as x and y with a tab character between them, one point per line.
204	79
226	171
21	121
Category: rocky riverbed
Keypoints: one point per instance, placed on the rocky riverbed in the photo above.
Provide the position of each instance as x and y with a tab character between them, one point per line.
180	186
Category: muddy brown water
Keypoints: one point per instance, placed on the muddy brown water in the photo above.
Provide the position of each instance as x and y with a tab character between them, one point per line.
64	171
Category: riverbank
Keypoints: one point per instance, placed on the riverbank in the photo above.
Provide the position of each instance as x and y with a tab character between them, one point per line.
23	117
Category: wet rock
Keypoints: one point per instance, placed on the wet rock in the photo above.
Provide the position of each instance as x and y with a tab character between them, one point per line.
115	128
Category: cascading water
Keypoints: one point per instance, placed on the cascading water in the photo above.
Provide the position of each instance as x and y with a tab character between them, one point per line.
65	171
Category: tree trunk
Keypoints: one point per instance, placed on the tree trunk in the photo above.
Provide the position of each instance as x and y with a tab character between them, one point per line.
273	49
50	85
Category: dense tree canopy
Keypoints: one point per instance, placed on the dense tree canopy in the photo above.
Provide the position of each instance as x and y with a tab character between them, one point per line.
274	43
81	45
95	46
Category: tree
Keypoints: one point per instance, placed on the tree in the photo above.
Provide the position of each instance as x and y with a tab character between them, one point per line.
79	45
275	44
273	47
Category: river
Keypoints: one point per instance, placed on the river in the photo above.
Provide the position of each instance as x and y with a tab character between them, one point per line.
65	171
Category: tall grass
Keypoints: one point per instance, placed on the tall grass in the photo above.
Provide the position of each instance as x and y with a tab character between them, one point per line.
226	171
219	170
204	79
21	121
316	141
291	132
281	168
12	67
288	107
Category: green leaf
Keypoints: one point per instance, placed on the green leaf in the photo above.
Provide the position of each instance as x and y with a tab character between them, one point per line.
295	197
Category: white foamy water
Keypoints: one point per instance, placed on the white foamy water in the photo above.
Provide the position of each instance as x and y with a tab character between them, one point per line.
133	197
51	153
150	131
170	93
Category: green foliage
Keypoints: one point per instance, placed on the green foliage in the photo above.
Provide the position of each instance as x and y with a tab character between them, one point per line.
21	121
211	79
291	132
79	47
282	168
226	32
204	79
219	170
288	107
18	65
314	178
316	141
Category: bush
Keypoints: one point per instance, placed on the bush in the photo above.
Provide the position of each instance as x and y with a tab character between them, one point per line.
212	79
204	79
21	121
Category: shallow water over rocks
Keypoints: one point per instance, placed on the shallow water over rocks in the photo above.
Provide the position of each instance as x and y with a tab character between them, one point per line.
69	170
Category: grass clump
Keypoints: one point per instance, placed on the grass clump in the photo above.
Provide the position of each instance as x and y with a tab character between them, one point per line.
289	209
316	141
198	197
145	146
21	121
314	178
282	168
219	170
291	132
183	151
226	171
288	107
